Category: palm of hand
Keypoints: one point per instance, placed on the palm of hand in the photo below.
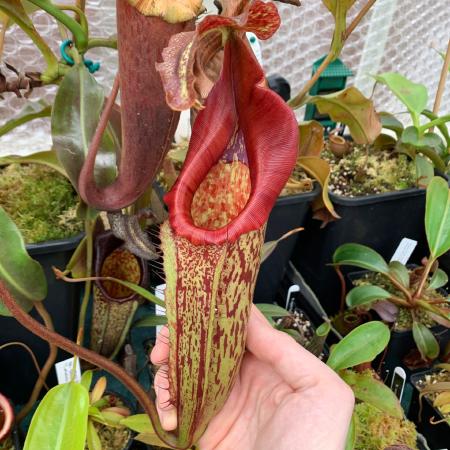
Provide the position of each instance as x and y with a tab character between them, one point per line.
283	399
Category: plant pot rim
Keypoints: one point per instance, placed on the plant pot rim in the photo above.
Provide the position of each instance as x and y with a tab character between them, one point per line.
383	197
59	245
415	377
299	198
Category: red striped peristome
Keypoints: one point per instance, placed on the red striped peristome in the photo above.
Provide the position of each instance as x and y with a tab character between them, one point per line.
7	417
238	102
242	151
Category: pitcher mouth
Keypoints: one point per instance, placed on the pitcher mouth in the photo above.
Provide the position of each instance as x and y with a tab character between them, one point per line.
239	104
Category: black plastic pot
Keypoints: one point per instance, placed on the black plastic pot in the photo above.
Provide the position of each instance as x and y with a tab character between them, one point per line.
287	214
379	221
18	373
438	436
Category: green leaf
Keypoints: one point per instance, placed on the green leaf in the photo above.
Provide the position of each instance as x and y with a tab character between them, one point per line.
399	272
390	122
75	115
320	170
151	321
441	127
351	434
269	247
140	423
354	110
437	217
438	280
47	158
361	345
365	295
311	141
424	170
324	329
413	96
60	421
360	256
270	310
93	439
425	341
86	379
32	111
372	391
430	145
339	9
23	276
385	142
15	10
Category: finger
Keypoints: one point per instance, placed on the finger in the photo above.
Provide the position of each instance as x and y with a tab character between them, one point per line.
166	410
298	367
160	352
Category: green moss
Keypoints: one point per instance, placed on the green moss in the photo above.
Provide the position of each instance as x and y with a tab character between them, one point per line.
41	202
367	171
376	430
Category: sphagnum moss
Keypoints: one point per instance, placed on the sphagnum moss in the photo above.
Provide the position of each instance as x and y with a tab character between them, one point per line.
376	430
41	202
367	171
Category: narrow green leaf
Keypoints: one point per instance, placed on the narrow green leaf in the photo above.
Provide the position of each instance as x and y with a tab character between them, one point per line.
365	295
354	110
361	345
269	247
414	96
372	391
32	111
339	9
93	439
151	321
75	115
351	434
425	341
140	423
360	256
47	158
270	310
23	276
390	122
324	329
399	272
437	217
60	422
425	171
438	280
86	379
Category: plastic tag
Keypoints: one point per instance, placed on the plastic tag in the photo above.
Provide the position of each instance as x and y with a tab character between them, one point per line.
404	251
64	371
159	310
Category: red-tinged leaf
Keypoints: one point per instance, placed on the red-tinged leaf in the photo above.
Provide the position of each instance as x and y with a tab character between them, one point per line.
192	61
238	101
260	18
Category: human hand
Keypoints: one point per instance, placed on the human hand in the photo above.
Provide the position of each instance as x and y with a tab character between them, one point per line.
284	398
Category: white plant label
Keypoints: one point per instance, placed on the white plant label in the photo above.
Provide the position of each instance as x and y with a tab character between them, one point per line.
159	310
404	251
64	371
